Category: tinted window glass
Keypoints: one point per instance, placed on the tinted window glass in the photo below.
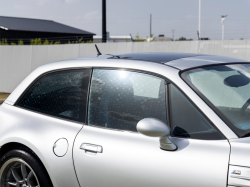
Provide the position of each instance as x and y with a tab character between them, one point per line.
187	121
62	94
120	99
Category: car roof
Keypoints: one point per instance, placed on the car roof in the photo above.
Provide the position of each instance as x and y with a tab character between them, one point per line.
181	61
154	57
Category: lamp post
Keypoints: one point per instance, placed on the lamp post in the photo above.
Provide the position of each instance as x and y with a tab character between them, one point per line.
104	23
223	17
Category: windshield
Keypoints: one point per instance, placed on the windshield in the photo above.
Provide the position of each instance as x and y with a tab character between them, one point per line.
226	88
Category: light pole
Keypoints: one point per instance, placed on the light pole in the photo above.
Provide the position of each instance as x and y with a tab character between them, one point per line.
104	22
223	17
199	19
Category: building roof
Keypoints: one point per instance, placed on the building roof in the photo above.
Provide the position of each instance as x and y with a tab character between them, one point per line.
37	25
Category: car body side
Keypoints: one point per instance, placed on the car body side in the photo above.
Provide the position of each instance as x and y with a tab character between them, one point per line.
39	132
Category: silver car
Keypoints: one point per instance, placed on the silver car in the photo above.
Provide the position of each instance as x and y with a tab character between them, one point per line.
129	120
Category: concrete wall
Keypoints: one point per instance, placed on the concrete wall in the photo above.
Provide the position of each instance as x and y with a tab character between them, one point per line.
16	62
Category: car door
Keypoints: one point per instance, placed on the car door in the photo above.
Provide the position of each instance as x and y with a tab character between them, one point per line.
109	152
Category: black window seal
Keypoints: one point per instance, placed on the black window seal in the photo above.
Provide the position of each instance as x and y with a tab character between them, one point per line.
168	105
219	114
45	74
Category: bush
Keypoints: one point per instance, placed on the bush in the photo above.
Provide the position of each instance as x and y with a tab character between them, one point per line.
46	42
20	42
38	41
4	42
58	42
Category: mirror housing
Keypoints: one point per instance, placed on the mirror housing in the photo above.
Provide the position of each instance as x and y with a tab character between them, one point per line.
156	128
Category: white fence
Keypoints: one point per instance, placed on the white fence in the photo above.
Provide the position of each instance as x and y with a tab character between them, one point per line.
16	62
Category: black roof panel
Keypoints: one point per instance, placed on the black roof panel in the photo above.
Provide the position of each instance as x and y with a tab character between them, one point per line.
38	25
154	57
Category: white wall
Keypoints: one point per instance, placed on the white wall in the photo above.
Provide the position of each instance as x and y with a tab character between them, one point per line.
16	62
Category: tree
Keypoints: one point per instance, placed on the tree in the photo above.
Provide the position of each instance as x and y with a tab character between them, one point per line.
183	39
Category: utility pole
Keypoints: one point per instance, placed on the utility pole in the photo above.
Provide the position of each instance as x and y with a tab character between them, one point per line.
150	26
199	19
223	17
104	25
173	34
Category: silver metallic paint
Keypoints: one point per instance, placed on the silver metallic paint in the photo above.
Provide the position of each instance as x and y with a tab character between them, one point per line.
132	159
39	132
156	128
91	148
239	180
240	152
60	147
152	127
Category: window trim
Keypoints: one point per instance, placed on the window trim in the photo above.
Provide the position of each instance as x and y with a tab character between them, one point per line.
131	70
51	72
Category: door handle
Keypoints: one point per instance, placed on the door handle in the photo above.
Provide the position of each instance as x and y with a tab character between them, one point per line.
91	148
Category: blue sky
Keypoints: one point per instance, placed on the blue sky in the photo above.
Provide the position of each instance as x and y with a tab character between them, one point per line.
132	16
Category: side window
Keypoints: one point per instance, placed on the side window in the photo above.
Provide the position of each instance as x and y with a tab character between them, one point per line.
187	121
120	99
62	94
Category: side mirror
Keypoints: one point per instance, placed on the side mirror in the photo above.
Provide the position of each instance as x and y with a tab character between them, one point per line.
156	128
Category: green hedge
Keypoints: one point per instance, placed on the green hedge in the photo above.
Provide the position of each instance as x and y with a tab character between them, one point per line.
38	41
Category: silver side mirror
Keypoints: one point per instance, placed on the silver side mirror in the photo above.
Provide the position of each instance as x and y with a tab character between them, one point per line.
155	128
